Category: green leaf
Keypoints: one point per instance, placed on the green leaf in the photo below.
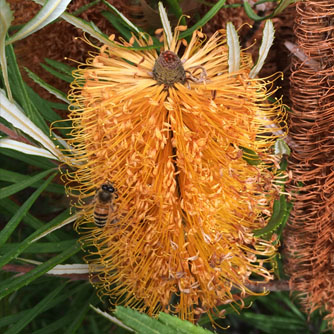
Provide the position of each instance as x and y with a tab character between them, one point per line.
51	10
272	324
35	311
43	106
6	17
38	247
52	90
207	17
176	10
29	159
8	205
79	317
16	219
15	252
12	284
123	19
281	211
141	323
118	24
66	69
60	75
279	9
13	177
28	181
181	326
20	92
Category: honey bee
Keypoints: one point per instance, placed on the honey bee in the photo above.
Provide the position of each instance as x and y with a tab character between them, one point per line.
104	204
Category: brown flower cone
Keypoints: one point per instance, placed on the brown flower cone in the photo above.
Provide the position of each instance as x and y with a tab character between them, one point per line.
309	235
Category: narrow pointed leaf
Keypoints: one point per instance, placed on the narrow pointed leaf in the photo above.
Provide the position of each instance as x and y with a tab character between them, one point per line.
233	48
165	24
123	18
33	160
25	148
58	74
207	17
14	188
15	220
50	11
267	41
64	68
35	311
111	318
14	253
6	17
12	284
52	90
38	247
14	177
11	113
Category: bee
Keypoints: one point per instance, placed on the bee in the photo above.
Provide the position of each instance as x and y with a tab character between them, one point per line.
104	204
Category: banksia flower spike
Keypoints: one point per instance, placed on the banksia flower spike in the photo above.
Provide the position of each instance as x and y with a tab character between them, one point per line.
309	234
172	132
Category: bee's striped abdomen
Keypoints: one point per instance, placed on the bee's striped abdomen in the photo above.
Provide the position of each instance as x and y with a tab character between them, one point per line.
101	214
103	204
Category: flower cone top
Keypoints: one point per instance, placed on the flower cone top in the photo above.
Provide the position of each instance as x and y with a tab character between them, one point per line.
172	134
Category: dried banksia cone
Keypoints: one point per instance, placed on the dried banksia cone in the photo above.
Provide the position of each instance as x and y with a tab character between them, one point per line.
309	235
173	134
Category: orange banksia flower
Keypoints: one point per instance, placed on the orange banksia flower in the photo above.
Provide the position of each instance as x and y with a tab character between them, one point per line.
184	143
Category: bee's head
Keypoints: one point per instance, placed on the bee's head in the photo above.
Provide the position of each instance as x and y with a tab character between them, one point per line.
106	192
108	187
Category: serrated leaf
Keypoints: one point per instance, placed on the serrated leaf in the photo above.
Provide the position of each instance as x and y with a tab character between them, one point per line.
52	90
141	323
181	326
111	318
11	113
233	48
35	311
12	284
281	147
14	188
50	11
24	208
25	148
267	41
165	24
6	17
